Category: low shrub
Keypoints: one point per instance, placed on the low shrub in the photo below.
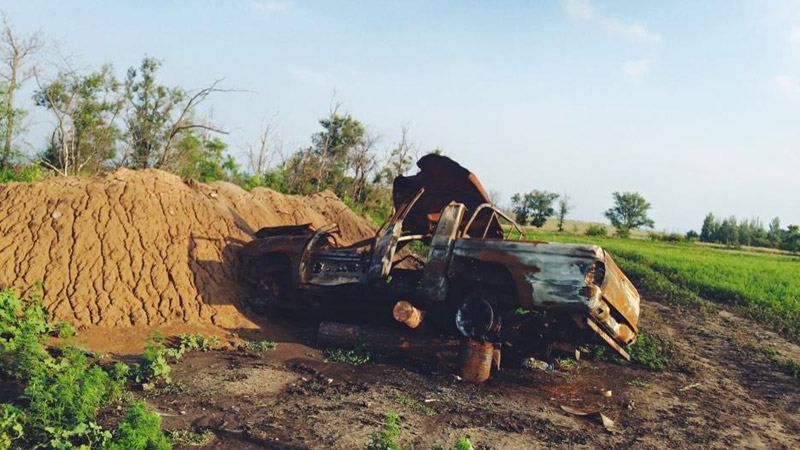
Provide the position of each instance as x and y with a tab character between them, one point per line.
141	429
596	230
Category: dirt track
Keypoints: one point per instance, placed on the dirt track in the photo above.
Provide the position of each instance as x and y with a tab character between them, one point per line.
716	394
144	248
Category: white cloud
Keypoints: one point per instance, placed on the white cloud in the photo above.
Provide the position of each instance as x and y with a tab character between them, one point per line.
794	37
636	70
269	6
787	86
582	10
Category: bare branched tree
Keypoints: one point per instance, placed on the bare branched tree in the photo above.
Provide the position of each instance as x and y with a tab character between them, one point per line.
16	55
400	158
363	162
184	122
261	154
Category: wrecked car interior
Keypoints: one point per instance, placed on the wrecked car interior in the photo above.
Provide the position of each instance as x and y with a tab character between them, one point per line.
450	263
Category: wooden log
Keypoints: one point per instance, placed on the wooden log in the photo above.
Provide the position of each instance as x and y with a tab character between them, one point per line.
406	313
373	337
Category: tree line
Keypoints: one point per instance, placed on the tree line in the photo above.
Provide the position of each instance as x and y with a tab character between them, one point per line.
734	233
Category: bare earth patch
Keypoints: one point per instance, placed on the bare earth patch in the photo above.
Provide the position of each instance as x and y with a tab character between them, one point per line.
717	393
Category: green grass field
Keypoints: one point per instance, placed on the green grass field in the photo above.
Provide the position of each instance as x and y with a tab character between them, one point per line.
764	286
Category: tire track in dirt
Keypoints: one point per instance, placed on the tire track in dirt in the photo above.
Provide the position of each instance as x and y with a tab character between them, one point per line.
144	248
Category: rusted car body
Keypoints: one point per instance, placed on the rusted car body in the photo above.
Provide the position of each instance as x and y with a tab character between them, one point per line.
448	250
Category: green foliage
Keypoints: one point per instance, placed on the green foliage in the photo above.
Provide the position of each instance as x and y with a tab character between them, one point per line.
141	429
197	342
21	174
596	230
629	212
387	437
751	232
149	120
649	351
22	329
463	443
535	205
86	107
68	393
62	394
666	237
204	159
261	346
153	366
355	356
10	124
564	208
11	428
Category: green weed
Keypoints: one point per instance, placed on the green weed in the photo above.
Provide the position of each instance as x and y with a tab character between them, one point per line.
154	366
649	351
463	443
261	346
387	437
197	342
355	357
637	383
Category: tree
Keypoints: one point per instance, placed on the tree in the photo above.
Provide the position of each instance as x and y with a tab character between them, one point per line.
519	207
563	208
340	157
774	233
157	117
400	158
791	239
729	232
629	212
708	232
85	108
541	206
15	55
535	205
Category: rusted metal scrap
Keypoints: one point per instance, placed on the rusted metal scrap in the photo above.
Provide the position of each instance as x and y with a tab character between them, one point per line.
474	273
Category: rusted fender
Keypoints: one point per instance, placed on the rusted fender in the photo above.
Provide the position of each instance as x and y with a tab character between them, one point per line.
572	278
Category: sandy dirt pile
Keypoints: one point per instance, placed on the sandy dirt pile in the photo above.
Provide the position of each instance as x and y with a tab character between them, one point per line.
144	248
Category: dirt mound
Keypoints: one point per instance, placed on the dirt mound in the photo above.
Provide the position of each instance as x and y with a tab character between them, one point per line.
144	248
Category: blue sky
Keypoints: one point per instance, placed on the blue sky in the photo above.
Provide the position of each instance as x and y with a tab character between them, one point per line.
696	105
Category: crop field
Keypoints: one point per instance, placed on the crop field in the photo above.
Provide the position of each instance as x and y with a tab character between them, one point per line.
764	286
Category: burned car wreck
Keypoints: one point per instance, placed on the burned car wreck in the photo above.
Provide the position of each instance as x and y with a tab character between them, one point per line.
450	259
